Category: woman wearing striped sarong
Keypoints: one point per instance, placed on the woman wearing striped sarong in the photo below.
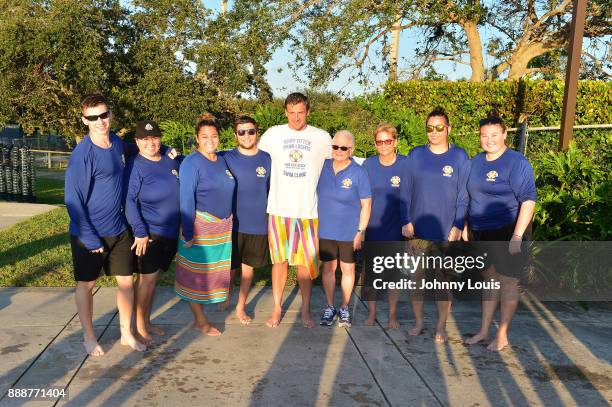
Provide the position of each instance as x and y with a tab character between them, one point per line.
205	245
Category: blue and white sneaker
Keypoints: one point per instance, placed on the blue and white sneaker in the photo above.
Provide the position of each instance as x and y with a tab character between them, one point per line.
344	318
329	316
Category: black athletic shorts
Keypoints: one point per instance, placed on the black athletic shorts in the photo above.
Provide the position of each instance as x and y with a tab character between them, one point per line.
497	253
252	250
158	256
116	260
334	249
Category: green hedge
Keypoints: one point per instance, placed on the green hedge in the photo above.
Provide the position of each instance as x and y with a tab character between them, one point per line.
467	102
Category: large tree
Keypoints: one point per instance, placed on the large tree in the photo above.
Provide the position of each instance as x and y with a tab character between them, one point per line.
331	36
51	52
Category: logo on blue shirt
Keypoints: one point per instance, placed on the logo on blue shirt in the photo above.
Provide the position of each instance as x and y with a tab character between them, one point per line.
492	175
395	181
229	174
346	183
175	173
261	172
447	171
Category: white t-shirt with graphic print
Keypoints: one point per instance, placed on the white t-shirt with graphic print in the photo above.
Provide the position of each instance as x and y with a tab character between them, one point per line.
297	160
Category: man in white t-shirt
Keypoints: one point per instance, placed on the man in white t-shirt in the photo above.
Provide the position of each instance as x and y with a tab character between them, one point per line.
298	152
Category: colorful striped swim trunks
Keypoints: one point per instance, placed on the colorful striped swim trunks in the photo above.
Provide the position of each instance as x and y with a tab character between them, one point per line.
203	270
296	241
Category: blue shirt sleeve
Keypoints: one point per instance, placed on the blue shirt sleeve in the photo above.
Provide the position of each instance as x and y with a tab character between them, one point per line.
188	177
132	207
522	181
406	191
76	191
364	189
462	195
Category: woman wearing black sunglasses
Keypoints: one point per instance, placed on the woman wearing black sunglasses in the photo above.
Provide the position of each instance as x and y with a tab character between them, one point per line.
385	171
502	193
344	210
436	175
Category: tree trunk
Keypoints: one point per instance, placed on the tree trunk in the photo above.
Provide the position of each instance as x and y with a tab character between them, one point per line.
223	6
521	57
394	50
475	44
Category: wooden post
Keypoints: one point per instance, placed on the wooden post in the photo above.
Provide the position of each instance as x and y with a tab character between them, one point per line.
49	159
571	74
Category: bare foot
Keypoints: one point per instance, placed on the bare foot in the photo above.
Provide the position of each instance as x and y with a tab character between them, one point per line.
155	330
393	323
440	336
207	329
370	321
479	337
243	317
416	330
144	337
498	344
307	321
275	319
130	340
92	347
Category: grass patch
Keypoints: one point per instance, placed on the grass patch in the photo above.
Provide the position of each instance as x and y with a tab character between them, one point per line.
36	253
49	191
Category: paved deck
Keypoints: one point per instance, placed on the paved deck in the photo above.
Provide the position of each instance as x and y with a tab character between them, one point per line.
561	355
11	213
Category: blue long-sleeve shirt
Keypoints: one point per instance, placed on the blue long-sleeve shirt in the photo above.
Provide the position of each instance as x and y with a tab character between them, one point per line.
152	196
389	212
497	188
94	191
435	191
206	186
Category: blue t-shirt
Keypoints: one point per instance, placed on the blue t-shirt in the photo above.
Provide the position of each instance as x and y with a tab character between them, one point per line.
435	191
339	200
252	174
497	188
94	191
207	186
152	202
388	206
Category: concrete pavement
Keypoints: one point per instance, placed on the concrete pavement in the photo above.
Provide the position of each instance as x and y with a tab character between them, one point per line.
560	355
12	213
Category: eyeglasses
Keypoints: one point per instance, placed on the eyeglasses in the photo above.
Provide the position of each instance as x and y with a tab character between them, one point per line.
250	132
342	148
437	127
386	142
95	117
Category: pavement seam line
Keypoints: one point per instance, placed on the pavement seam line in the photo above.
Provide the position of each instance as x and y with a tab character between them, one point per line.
110	321
403	356
369	369
43	351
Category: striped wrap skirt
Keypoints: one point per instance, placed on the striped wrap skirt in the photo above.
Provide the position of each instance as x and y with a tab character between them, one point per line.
203	270
295	241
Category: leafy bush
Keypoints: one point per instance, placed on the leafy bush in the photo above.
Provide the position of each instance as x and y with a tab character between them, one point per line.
176	134
574	190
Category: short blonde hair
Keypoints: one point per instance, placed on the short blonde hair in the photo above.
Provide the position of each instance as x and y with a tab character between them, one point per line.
387	128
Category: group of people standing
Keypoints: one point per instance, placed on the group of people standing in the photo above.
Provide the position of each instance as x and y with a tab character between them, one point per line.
290	198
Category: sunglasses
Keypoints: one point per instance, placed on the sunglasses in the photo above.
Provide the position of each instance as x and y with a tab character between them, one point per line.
387	142
95	117
250	132
342	148
437	127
